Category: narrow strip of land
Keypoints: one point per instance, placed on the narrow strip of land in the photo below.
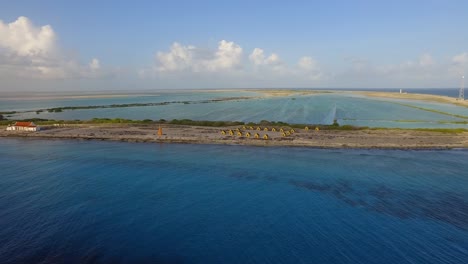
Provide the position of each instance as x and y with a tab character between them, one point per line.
363	138
415	96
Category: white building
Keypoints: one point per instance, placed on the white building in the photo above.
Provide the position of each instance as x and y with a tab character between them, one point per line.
23	126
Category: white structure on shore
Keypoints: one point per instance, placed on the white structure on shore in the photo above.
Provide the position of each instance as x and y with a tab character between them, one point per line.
23	126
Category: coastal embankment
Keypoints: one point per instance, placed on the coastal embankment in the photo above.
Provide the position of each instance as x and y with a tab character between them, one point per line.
255	136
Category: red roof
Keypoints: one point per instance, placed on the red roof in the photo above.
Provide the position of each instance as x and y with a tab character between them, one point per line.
25	124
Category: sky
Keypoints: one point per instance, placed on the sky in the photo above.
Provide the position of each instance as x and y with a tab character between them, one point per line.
123	45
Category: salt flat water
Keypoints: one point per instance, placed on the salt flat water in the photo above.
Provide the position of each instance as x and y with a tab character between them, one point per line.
346	107
110	202
33	101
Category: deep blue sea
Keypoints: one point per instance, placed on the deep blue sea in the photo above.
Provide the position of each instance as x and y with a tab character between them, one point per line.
450	92
111	202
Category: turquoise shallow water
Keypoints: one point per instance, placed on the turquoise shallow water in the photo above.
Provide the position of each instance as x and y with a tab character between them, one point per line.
102	202
347	108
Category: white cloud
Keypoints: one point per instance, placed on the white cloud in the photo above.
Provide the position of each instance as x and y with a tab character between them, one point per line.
460	59
178	58
24	39
189	58
196	67
459	63
228	56
426	60
94	65
257	57
273	59
423	71
310	68
307	63
187	64
30	51
272	64
422	68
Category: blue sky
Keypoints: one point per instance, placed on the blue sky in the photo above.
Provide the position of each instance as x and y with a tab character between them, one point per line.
317	44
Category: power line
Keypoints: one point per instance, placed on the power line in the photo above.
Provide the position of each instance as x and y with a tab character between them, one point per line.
461	94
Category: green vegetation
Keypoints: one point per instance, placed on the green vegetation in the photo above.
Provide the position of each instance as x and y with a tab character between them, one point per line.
443	130
113	121
263	123
419	121
432	110
61	109
8	113
268	123
65	108
440	130
409	121
453	122
188	122
41	121
205	123
349	127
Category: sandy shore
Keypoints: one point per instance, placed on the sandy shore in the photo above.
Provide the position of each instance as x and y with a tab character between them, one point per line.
284	92
388	138
416	96
374	94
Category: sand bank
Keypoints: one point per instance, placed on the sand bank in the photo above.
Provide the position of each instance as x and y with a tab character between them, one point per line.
415	96
375	94
387	138
285	92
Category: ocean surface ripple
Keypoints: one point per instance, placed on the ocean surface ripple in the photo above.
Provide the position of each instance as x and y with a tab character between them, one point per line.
111	202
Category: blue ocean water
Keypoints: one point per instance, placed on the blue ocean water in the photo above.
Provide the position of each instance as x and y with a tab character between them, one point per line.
450	92
109	202
346	108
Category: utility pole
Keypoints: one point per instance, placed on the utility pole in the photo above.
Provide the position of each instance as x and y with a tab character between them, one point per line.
461	94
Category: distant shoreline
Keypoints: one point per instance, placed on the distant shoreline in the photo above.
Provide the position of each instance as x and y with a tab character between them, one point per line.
404	139
264	93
